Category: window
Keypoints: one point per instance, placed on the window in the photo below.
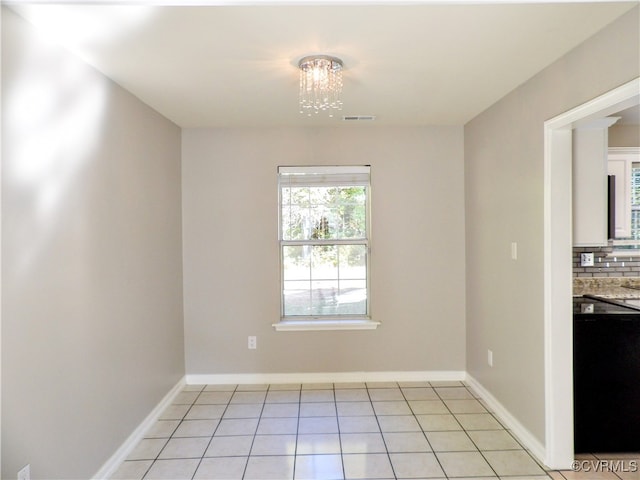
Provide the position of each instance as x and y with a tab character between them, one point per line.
624	164
324	247
635	201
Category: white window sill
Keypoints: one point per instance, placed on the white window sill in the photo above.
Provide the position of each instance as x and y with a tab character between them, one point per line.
309	325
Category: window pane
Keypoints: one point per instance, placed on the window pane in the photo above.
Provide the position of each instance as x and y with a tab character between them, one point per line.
330	297
635	184
300	196
353	262
297	298
285	195
322	226
318	195
294	220
325	280
635	224
324	263
353	220
324	297
349	206
352	299
323	213
296	263
635	201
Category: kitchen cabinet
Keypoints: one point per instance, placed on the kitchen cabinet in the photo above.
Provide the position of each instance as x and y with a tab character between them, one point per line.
606	369
590	185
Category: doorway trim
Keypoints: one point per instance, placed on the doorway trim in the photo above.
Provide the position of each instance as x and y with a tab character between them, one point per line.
558	275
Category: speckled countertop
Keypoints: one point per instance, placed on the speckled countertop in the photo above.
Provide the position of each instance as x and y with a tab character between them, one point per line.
607	287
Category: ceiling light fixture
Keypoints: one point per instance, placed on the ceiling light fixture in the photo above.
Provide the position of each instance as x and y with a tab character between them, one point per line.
320	84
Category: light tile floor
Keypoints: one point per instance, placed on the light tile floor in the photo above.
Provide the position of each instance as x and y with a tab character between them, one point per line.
404	430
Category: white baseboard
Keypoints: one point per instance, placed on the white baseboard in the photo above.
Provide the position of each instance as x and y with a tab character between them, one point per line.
130	443
323	377
528	440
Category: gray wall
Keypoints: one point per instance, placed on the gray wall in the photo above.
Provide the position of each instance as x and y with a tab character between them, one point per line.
504	204
231	266
92	328
624	136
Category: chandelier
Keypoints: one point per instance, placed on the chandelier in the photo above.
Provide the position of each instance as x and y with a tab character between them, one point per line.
320	84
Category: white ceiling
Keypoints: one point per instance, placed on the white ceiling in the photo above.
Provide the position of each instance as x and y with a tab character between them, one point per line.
408	64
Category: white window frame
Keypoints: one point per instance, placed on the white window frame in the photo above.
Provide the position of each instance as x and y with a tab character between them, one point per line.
329	175
624	158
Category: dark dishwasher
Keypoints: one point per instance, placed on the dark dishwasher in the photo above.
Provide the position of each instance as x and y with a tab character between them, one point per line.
606	372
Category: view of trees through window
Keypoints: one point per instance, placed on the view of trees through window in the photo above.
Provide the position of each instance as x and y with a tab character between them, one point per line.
324	250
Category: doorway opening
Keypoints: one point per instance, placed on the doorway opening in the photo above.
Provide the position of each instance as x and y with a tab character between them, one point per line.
558	312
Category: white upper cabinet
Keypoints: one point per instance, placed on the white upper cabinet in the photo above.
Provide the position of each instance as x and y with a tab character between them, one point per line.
590	185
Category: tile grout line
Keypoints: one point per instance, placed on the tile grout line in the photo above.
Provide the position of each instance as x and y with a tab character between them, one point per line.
213	434
393	470
335	403
467	434
167	440
295	450
422	430
255	433
435	389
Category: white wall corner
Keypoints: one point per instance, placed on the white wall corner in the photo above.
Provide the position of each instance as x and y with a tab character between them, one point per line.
130	443
528	440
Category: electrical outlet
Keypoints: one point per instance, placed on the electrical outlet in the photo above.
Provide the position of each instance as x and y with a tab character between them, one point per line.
587	308
490	358
586	259
25	473
252	343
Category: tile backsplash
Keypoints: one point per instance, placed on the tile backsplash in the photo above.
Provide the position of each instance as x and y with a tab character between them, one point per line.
605	265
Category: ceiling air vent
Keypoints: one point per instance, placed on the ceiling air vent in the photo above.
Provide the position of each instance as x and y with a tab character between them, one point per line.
356	118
